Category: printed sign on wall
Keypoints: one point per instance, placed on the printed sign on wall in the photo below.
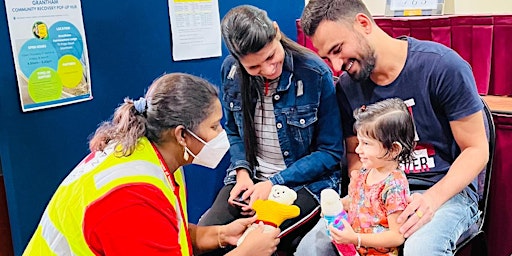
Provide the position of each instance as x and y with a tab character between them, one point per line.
50	52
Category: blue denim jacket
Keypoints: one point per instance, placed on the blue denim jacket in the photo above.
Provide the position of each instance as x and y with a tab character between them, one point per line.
307	119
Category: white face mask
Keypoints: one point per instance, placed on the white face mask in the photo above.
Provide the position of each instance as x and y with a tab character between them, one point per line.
212	152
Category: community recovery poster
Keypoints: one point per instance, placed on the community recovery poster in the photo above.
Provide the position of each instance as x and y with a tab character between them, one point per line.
50	52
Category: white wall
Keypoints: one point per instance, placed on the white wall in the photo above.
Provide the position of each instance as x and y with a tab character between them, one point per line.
377	7
483	7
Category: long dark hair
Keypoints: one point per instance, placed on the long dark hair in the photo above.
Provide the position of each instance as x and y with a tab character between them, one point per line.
247	29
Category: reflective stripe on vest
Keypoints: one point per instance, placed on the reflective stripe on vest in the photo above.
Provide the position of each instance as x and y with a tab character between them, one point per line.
61	225
56	241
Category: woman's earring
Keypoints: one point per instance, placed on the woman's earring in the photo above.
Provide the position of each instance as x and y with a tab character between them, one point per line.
185	154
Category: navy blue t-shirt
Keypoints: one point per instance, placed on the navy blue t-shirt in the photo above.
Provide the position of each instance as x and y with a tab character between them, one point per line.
438	86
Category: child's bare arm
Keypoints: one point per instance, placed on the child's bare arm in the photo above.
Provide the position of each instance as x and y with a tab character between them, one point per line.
345	201
390	238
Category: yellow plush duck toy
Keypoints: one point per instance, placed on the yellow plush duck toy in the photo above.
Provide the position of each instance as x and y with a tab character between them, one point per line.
275	210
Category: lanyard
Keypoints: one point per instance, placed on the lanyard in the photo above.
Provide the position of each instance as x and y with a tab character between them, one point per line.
266	86
176	190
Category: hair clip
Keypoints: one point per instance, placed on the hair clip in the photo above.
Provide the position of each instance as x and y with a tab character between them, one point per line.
140	105
363	108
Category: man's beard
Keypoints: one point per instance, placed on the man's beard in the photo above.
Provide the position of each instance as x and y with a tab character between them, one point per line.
367	64
366	61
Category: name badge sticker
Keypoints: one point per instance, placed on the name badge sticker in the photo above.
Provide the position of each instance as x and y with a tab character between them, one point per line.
300	88
232	72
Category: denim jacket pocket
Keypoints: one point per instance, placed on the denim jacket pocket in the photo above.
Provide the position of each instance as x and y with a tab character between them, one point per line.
232	102
234	105
300	120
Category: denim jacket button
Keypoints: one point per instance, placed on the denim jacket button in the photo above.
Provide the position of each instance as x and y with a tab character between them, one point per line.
302	121
279	125
231	104
286	153
277	97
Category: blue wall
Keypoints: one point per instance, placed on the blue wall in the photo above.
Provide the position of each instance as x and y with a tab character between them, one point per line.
38	149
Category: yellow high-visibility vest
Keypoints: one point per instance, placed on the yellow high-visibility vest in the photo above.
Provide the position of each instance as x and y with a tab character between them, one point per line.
60	229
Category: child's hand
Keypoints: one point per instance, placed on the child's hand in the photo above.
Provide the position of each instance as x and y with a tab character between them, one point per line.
345	236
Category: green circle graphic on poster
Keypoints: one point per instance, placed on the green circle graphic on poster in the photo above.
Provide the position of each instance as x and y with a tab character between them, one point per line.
36	53
44	85
70	71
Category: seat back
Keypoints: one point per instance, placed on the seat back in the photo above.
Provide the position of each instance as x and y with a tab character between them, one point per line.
484	179
484	182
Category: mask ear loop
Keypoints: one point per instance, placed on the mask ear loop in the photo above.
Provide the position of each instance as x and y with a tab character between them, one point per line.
187	152
197	137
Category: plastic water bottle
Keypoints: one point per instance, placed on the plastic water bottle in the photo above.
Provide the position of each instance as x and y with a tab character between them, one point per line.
337	223
332	211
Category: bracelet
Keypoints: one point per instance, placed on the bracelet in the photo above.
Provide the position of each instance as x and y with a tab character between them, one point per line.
218	237
358	241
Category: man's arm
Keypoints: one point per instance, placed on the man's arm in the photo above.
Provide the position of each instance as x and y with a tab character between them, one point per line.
469	133
353	161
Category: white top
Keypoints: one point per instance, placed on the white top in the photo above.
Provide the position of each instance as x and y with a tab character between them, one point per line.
269	155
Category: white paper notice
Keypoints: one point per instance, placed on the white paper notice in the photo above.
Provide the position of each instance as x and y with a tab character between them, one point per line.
401	5
195	26
50	52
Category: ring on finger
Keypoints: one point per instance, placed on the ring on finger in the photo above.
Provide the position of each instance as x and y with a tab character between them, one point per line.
419	213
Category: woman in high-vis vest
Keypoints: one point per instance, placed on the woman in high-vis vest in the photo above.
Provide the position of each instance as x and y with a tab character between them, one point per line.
128	196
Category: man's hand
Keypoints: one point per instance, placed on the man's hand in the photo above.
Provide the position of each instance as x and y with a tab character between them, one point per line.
418	212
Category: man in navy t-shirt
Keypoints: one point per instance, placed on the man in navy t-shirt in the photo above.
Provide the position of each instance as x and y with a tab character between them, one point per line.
440	91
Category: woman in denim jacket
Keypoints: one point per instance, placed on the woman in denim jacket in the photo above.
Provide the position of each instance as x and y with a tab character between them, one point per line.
282	119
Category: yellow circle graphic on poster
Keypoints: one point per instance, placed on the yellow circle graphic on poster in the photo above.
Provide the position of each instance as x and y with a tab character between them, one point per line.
44	85
70	71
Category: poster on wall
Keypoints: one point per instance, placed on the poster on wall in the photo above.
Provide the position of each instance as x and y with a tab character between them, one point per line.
195	26
416	7
50	52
